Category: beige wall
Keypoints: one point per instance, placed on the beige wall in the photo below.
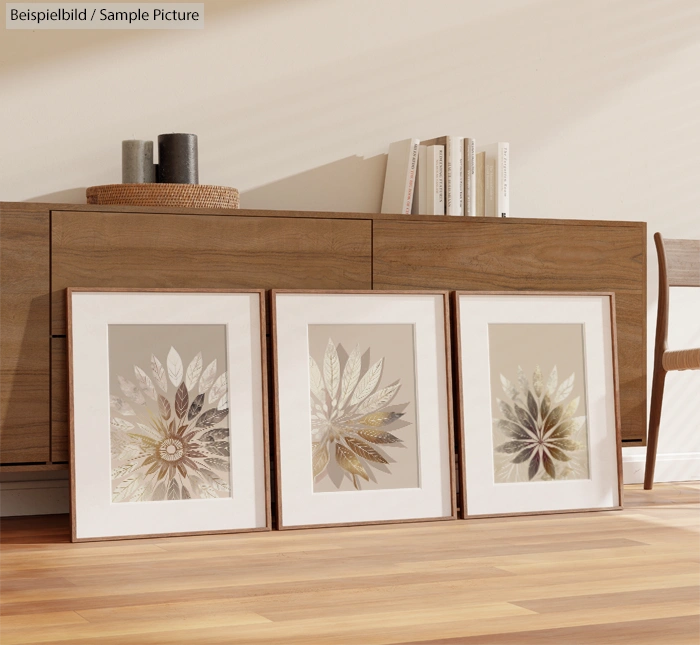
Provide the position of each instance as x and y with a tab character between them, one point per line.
296	102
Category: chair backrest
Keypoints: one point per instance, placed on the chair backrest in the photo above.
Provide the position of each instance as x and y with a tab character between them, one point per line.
679	266
682	262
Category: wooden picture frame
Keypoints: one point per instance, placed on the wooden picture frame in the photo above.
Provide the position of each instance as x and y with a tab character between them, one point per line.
217	481
299	330
520	475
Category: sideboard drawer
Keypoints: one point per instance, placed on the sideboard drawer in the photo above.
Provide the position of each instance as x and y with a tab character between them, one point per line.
99	249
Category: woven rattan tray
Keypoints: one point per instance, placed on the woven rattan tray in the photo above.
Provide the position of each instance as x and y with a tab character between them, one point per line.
186	195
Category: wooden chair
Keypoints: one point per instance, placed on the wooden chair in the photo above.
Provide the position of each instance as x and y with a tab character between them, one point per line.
679	266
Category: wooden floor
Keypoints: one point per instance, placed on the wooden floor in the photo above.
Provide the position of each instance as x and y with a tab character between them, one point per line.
614	577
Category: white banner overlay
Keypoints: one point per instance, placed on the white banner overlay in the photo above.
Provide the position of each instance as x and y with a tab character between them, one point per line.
95	15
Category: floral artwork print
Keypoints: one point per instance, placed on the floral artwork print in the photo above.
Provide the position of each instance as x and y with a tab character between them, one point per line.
354	419
169	434
544	440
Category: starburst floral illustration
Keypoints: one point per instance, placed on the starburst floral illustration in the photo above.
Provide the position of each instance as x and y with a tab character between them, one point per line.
349	416
543	434
167	438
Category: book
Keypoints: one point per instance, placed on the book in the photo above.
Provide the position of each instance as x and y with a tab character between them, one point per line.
400	177
480	164
503	180
489	187
497	180
454	160
420	191
435	158
469	190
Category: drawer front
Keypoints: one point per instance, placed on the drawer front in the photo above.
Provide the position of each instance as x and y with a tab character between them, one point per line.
205	251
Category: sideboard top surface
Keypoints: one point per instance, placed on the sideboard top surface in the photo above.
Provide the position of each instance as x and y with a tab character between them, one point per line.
244	212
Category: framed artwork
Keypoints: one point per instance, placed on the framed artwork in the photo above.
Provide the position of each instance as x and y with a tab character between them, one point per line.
363	412
167	412
538	402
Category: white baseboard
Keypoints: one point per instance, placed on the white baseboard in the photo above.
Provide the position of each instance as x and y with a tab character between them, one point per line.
44	497
671	467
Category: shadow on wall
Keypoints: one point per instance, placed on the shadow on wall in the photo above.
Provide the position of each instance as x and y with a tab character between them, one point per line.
68	196
352	185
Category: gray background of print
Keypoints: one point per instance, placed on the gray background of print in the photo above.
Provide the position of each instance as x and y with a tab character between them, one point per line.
396	344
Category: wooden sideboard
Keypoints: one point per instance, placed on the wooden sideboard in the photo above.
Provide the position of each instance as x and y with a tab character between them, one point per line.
45	248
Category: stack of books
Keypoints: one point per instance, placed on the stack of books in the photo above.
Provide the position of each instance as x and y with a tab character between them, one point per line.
447	176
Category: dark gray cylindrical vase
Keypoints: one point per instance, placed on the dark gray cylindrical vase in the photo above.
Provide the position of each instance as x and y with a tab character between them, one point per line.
178	161
137	162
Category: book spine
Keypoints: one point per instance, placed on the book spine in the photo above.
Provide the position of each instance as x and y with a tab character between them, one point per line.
400	176
434	184
480	163
503	181
469	177
411	178
439	194
429	185
424	170
454	190
415	202
489	187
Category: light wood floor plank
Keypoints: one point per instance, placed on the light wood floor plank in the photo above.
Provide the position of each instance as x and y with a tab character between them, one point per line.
611	577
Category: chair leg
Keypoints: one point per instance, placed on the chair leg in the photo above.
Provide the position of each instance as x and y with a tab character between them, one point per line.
657	393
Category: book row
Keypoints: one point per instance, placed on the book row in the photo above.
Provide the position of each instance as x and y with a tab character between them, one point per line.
447	175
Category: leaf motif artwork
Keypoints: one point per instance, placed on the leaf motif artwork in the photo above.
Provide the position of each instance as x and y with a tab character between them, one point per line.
218	388
539	419
211	418
164	407
196	407
121	407
207	377
159	373
131	391
194	371
174	367
121	424
148	431
145	383
361	436
166	446
125	489
182	400
542	442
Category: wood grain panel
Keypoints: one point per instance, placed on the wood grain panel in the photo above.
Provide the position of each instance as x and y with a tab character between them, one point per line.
99	249
60	439
24	342
532	255
683	262
632	373
547	256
